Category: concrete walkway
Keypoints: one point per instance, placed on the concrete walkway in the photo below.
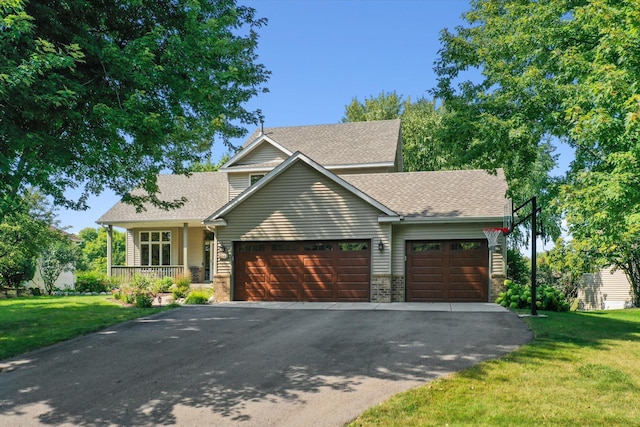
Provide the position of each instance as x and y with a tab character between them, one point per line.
470	307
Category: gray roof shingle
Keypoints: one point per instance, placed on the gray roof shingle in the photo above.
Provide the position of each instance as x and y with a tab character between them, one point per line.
460	193
205	193
339	144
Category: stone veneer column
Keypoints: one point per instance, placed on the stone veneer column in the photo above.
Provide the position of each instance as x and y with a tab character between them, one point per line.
497	285
381	288
397	289
222	287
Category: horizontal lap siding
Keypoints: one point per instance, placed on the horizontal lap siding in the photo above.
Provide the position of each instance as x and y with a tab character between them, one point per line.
302	204
605	290
264	153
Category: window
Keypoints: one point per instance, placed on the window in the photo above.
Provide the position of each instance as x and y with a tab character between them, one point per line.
465	246
426	247
155	248
251	247
319	246
255	178
353	246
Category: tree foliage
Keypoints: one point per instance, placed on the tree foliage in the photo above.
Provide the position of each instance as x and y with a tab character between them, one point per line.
23	232
58	256
561	70
105	94
93	249
421	123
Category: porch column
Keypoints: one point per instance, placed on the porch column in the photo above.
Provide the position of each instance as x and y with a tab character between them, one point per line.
185	250
109	249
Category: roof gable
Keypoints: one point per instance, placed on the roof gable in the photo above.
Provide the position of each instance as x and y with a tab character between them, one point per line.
273	175
357	143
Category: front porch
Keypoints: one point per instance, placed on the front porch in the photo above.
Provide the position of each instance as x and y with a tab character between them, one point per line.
125	274
166	250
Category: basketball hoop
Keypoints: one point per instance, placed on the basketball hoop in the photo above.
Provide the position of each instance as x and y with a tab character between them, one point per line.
493	234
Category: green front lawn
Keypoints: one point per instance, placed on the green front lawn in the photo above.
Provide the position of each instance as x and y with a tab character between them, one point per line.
582	369
29	323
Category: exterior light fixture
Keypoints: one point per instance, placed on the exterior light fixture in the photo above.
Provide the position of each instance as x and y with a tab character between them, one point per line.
222	247
380	245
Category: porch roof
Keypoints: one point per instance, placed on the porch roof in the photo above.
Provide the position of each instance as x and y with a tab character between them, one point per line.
205	193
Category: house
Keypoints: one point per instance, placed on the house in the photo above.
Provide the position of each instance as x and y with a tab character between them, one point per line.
323	213
605	290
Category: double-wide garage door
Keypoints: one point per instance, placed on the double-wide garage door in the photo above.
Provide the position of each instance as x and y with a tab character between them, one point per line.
447	270
302	271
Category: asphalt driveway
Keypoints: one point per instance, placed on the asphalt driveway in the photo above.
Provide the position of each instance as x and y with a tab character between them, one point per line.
246	365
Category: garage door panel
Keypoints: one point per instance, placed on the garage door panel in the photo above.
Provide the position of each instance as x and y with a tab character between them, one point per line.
447	271
303	271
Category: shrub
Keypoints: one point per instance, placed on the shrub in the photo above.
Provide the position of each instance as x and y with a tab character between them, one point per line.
518	296
162	285
91	281
181	287
144	300
200	296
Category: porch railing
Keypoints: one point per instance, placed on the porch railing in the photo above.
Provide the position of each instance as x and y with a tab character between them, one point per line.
125	274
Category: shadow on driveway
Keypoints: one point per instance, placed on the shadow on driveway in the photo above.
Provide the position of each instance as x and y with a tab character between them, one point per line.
225	365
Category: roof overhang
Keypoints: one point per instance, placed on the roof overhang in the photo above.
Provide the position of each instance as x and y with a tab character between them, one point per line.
451	219
159	223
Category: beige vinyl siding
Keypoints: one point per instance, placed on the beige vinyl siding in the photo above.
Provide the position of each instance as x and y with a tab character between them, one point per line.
131	248
604	290
403	232
238	182
195	247
302	204
263	153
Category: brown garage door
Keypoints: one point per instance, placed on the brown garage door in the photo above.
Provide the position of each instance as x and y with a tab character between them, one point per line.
302	271
447	270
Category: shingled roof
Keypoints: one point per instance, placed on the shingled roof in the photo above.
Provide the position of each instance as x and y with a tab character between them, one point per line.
339	144
441	194
205	193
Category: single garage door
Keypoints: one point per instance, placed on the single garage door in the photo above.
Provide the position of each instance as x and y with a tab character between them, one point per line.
302	271
447	270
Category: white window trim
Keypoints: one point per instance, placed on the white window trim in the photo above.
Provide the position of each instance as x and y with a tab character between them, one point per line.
160	243
251	175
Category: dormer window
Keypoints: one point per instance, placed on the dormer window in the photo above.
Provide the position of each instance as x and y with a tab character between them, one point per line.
255	178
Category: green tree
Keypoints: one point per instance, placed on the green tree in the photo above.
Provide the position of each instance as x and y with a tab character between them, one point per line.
59	256
208	165
556	71
420	122
518	267
93	249
23	232
106	94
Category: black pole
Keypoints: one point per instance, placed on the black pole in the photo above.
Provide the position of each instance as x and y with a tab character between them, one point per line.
534	228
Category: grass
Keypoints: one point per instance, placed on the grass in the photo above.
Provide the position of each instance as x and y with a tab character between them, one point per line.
581	369
29	323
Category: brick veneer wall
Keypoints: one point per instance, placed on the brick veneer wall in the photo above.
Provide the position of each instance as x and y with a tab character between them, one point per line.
222	287
497	286
397	289
381	288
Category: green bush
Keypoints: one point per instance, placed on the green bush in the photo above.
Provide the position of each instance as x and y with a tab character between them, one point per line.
180	288
519	296
144	300
198	297
162	285
91	281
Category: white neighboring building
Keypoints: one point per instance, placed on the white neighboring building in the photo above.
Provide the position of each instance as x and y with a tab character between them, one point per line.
605	290
66	280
